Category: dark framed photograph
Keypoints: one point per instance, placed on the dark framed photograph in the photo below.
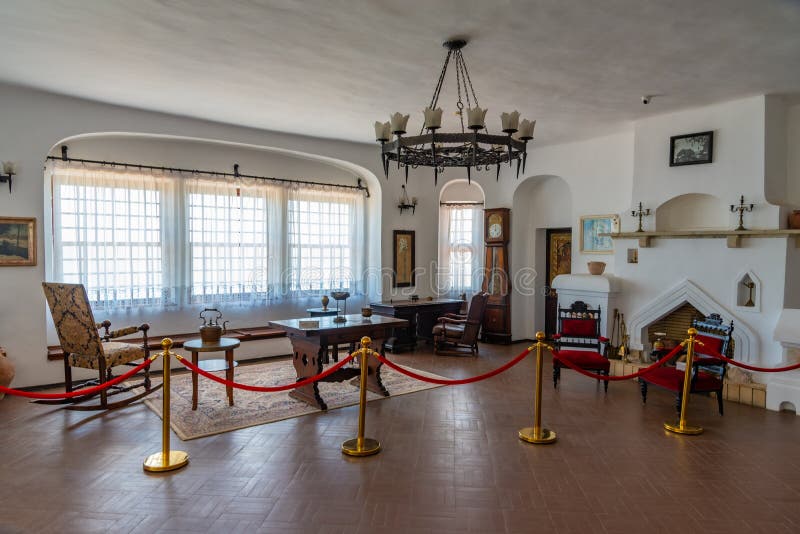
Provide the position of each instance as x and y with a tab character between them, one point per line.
403	259
17	241
691	149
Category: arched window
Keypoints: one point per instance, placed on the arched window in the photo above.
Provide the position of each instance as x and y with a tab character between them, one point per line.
460	239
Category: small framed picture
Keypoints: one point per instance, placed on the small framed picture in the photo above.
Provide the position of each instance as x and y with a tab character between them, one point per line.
17	241
594	233
691	149
404	258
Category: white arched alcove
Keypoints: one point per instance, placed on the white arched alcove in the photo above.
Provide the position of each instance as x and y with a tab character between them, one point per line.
692	211
540	202
220	156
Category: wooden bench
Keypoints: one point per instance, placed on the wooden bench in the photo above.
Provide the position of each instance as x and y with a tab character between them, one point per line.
254	333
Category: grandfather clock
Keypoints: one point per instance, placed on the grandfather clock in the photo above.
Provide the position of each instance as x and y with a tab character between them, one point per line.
496	282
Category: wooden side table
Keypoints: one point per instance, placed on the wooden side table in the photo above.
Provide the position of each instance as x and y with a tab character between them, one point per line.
226	344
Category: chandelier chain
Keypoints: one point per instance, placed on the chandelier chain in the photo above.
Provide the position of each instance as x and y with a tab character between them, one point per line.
459	102
438	89
469	80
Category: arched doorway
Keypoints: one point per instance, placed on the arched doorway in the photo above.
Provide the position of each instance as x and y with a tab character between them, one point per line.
542	206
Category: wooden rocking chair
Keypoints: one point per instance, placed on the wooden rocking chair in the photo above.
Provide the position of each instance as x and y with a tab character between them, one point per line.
457	334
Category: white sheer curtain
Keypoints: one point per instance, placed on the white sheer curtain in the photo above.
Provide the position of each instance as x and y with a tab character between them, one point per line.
326	244
460	249
109	233
148	238
233	229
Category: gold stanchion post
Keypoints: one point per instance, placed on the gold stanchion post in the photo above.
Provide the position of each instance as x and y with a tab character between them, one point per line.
537	434
361	446
681	427
166	460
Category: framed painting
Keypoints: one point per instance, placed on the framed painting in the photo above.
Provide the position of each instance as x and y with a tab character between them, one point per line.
404	259
593	228
17	241
691	149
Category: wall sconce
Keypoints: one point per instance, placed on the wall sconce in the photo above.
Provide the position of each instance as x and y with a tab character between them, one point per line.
406	204
9	170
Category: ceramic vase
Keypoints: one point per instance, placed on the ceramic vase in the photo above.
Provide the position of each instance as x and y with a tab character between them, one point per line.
6	370
794	220
596	267
325	301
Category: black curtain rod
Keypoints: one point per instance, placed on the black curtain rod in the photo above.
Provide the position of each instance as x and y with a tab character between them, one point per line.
461	203
234	174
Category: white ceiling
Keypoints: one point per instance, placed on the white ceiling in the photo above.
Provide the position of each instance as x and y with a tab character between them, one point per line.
330	68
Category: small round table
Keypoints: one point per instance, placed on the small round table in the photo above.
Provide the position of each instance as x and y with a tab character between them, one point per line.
226	344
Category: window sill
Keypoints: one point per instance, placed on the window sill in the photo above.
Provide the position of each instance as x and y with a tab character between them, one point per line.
54	352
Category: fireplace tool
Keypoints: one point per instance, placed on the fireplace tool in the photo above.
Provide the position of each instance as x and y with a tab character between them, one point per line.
611	347
623	351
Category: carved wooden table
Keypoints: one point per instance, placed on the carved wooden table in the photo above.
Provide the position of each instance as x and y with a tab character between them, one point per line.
309	345
421	316
225	344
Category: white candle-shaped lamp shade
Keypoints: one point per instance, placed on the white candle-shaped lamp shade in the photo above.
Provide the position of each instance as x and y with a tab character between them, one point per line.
510	121
525	131
476	118
433	118
383	131
9	167
398	122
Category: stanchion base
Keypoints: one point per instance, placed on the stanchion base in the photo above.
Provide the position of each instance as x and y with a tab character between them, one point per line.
370	447
527	434
175	460
685	429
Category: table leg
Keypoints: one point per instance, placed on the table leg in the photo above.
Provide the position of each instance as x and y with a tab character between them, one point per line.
374	365
229	375
335	353
307	360
195	360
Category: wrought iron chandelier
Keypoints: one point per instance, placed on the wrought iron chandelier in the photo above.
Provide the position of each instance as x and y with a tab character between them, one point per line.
477	149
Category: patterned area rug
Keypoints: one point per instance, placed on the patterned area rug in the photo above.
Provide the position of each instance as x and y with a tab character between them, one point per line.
214	416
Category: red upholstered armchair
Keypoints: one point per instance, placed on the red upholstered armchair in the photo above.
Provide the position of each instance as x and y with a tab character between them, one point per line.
579	340
707	373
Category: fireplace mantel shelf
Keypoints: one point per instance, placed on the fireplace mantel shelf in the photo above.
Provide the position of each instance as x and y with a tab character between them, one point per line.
734	237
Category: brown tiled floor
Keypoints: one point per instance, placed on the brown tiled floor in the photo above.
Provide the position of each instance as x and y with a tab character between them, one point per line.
451	463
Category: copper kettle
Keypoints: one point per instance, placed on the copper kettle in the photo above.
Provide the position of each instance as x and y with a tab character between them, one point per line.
211	330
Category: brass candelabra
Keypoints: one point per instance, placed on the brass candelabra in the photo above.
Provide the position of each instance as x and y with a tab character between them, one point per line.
741	208
640	213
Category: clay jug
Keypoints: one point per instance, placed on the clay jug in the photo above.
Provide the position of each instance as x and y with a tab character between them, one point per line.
6	370
794	220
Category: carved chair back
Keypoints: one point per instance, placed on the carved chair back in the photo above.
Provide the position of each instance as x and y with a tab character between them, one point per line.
716	337
73	319
579	327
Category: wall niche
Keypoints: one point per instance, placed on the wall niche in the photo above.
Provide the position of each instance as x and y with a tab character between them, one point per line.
748	292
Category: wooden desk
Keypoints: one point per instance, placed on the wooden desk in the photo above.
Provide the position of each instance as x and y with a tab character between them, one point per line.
309	345
421	316
225	344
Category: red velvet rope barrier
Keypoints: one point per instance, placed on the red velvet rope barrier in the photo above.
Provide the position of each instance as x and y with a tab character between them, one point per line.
640	372
448	382
717	355
265	389
79	392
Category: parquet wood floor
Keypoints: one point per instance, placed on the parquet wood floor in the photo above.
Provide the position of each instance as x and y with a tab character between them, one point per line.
451	462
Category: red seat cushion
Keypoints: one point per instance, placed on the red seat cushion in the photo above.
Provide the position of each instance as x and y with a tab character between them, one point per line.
585	359
579	327
710	345
672	379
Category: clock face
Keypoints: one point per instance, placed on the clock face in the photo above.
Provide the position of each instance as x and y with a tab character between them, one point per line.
495	230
